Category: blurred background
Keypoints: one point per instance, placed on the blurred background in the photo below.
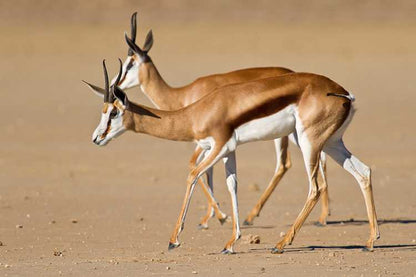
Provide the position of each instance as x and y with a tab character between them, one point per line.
124	198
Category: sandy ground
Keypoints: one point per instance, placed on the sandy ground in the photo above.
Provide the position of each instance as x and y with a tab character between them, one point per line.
68	207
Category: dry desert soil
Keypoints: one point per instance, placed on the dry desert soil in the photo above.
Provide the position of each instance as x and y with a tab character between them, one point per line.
70	208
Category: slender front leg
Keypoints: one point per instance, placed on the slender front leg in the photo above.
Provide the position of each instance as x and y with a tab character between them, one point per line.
230	171
174	243
193	176
282	165
213	207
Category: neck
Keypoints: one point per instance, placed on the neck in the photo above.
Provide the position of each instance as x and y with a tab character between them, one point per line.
156	89
162	124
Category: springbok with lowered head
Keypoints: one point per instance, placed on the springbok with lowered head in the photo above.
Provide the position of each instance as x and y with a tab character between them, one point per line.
139	70
313	107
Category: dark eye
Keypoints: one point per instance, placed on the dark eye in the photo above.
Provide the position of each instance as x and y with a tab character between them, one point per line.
113	113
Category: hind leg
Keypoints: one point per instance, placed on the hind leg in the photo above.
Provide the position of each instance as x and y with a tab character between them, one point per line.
311	155
362	173
324	195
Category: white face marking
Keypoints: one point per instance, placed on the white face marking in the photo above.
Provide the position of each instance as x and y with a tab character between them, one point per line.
109	127
273	126
131	79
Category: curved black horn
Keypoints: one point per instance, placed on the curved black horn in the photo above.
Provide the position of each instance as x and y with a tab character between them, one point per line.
120	71
133	45
107	84
133	24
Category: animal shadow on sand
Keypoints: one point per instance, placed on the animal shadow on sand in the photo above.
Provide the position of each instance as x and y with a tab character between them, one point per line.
353	221
350	222
313	248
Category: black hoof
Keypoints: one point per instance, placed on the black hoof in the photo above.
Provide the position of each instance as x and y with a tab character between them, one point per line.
366	249
277	250
202	226
227	251
173	245
319	224
223	220
247	223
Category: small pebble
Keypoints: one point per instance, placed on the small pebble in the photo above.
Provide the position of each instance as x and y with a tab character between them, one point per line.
7	266
1	243
331	254
52	222
58	253
19	226
194	272
251	239
74	221
168	268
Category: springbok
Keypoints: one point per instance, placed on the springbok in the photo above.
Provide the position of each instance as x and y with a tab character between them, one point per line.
313	107
138	69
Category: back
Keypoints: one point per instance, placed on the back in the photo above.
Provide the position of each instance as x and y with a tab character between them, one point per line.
236	104
204	85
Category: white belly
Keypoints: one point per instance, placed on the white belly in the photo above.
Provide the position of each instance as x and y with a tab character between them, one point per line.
267	128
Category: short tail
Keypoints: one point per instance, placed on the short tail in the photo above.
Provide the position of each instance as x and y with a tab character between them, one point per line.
349	96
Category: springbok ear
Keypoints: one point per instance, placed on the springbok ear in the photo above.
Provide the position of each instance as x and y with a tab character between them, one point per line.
148	42
97	90
120	95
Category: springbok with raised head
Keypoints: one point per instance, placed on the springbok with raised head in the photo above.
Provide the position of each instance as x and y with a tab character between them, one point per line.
139	69
313	107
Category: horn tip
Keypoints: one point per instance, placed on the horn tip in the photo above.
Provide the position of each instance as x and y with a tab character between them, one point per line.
87	83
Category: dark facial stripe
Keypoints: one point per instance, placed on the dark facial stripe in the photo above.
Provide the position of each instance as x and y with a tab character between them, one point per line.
129	66
107	130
